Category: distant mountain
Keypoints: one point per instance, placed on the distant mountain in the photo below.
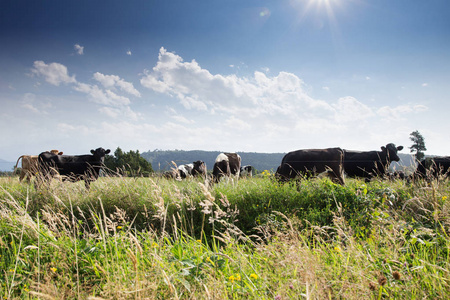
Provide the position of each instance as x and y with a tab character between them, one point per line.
406	164
6	166
161	159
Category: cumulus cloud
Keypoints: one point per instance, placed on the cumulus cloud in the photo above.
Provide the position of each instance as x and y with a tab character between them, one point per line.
129	52
53	73
111	81
196	88
79	49
114	104
100	96
277	107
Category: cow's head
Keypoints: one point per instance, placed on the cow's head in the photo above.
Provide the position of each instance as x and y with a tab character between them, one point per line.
100	153
391	151
199	168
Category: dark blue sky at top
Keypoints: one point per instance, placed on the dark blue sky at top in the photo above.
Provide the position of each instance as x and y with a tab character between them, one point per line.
366	35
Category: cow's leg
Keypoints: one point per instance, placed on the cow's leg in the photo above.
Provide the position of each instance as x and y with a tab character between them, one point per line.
29	177
22	175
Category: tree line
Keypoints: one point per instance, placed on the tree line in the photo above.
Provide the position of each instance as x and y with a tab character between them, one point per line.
127	164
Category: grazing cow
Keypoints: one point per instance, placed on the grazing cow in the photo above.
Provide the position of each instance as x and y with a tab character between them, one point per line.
368	164
30	165
73	168
311	162
197	168
185	171
433	167
246	171
226	164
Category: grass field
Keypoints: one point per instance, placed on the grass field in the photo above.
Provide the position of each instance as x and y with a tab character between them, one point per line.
152	238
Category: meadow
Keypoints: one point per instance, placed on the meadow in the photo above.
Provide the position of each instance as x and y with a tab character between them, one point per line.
153	238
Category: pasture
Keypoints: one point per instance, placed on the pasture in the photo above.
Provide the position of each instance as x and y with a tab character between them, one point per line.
154	238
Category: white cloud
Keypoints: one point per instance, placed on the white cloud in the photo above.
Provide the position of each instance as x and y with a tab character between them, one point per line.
237	124
79	49
100	96
398	113
53	73
114	105
424	84
348	109
129	52
110	81
196	88
277	107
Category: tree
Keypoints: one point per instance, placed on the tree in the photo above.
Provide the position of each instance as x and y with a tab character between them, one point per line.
418	145
128	164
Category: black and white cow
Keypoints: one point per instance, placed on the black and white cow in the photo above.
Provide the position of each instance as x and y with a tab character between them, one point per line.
72	167
246	171
226	164
368	164
311	162
197	168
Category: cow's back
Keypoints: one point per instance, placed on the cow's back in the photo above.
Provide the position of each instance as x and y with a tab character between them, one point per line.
308	162
362	163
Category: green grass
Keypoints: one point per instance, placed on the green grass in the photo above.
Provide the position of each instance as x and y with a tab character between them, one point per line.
152	238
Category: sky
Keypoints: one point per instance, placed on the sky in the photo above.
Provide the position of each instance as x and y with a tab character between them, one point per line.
223	75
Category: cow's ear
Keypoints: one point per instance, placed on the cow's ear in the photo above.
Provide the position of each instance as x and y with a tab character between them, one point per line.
92	151
383	148
107	151
60	153
400	148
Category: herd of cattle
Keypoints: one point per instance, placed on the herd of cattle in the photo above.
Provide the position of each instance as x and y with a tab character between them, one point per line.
334	162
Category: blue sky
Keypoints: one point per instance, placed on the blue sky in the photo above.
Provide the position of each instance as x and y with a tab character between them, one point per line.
252	75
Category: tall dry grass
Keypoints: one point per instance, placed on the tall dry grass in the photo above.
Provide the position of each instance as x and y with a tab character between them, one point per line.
152	238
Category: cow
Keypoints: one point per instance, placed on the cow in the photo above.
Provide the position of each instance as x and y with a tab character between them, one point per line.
433	167
246	171
368	164
30	165
72	167
197	168
226	164
311	162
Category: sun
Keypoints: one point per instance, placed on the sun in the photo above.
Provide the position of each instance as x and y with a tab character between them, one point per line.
323	13
323	6
318	7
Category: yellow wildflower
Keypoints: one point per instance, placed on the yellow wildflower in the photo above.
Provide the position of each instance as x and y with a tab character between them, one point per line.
238	277
253	276
154	245
119	227
231	278
337	249
54	269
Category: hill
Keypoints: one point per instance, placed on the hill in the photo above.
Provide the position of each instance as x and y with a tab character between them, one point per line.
6	166
161	159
